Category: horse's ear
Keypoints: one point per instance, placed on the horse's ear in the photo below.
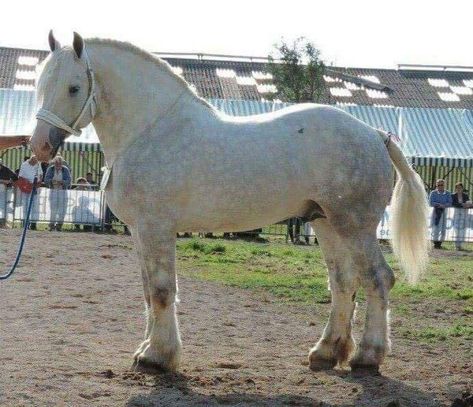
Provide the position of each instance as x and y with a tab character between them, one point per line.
78	44
53	43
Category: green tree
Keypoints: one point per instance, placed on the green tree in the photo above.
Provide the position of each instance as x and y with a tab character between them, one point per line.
297	71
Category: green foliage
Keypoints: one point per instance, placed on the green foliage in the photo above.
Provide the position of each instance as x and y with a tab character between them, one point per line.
297	71
287	274
436	334
200	246
298	273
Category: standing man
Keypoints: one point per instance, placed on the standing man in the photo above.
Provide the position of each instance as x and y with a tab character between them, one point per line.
58	178
439	199
89	177
30	169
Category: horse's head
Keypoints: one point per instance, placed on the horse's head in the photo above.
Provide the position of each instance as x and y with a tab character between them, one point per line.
65	96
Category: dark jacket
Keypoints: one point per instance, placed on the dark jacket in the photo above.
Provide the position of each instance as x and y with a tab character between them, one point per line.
455	202
7	174
66	177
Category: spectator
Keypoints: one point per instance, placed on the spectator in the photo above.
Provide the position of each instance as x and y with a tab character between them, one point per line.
82	185
58	175
7	176
461	202
439	199
294	230
307	232
44	167
30	168
58	178
89	178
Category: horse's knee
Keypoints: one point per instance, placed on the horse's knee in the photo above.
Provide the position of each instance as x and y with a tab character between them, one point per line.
379	280
384	280
162	296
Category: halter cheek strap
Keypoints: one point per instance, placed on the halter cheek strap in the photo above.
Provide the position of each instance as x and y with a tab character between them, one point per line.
90	103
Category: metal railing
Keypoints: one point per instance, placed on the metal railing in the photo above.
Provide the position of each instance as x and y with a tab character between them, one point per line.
58	206
88	207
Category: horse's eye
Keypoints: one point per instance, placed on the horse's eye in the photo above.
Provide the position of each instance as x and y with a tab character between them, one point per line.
73	89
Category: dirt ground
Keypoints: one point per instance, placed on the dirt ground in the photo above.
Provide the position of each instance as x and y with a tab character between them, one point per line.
72	316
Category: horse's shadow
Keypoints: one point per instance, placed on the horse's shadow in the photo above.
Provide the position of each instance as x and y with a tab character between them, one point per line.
383	391
377	390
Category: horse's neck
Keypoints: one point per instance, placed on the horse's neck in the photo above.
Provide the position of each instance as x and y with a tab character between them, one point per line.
133	94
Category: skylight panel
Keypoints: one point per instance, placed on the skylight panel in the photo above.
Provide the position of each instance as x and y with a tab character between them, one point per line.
226	73
341	92
28	75
330	79
468	82
371	78
352	86
246	80
177	70
17	86
29	61
258	75
267	88
449	97
461	90
438	83
376	94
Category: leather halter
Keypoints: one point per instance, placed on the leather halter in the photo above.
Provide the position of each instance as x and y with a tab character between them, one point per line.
56	140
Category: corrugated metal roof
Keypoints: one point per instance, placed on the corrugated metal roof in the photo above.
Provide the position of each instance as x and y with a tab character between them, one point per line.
17	113
436	136
427	135
408	87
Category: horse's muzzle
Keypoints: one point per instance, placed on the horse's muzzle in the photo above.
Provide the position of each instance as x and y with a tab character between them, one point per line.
56	139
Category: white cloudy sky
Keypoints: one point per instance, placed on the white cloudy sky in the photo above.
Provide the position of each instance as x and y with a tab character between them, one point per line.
363	33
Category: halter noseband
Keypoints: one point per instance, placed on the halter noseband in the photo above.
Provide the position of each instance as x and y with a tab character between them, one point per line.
56	121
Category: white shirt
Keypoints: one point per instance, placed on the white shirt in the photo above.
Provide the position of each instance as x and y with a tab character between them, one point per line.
57	179
29	171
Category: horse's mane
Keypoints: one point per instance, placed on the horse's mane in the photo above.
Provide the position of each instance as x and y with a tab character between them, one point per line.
147	56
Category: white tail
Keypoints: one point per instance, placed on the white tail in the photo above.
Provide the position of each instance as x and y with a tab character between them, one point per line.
409	216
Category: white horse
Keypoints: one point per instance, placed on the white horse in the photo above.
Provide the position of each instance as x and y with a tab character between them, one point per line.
177	164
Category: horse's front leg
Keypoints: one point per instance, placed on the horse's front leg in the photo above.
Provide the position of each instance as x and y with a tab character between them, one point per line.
161	348
145	280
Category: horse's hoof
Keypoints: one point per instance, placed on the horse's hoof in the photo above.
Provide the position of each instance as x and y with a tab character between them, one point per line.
148	367
316	363
367	362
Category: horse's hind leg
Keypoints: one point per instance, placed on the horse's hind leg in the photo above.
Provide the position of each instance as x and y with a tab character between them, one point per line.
377	279
336	343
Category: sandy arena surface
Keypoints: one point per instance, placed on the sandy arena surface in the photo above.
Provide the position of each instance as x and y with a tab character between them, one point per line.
72	316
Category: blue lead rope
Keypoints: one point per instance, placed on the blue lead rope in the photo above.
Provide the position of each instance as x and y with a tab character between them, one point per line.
23	235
